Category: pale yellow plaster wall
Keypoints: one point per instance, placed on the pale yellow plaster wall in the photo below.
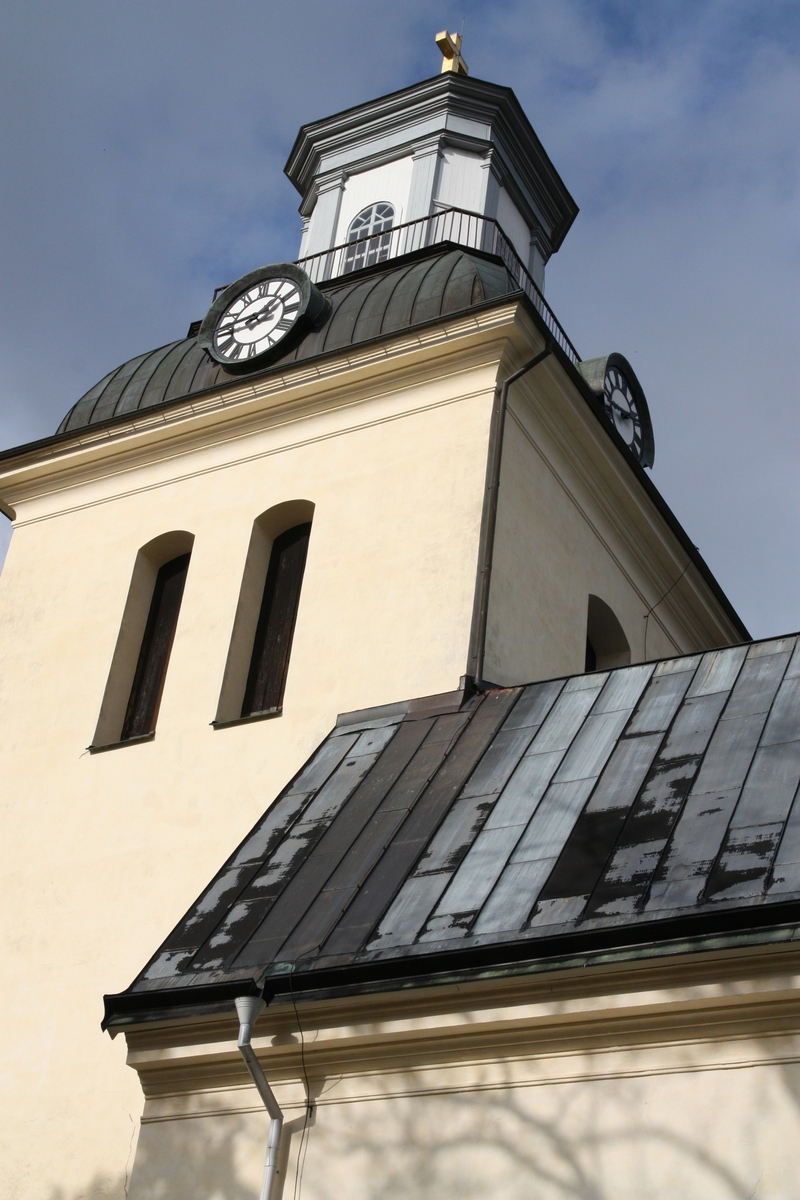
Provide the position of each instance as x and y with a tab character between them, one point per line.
649	1090
698	1133
569	523
103	853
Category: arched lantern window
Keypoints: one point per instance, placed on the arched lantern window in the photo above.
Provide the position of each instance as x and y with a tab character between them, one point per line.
369	237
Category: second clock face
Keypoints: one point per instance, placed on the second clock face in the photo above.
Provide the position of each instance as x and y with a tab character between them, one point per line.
257	320
623	411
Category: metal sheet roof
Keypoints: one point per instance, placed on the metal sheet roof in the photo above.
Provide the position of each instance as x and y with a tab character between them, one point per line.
364	305
612	800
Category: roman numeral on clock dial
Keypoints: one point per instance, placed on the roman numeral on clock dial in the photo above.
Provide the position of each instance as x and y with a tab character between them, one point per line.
257	320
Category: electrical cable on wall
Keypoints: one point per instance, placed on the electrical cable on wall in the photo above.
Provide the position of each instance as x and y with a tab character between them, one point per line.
666	593
303	1148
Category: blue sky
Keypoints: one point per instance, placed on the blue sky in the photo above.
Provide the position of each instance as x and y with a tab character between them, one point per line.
143	145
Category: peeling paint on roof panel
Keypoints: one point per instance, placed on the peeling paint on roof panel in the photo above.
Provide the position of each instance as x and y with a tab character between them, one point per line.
612	800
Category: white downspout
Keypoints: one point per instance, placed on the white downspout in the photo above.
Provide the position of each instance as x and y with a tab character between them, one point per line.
249	1008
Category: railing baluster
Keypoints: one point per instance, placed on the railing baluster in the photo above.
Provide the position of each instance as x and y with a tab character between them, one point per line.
445	225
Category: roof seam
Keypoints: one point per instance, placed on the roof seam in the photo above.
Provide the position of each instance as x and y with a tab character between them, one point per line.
134	383
429	266
723	842
110	379
190	344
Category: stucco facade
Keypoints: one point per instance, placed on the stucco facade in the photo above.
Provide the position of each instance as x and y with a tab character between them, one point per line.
103	851
641	1080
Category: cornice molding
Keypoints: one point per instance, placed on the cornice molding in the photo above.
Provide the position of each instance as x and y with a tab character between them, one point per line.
277	401
453	1038
390	359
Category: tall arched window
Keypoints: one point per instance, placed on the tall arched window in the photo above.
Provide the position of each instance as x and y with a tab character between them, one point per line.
263	629
139	667
159	634
269	662
370	237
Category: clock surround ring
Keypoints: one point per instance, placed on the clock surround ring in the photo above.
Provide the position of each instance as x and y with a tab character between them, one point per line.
312	309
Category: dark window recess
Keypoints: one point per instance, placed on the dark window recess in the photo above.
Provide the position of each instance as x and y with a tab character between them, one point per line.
591	657
273	641
151	669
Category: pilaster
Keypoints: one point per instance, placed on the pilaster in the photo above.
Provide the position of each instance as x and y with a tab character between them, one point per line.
325	216
426	160
491	184
304	227
539	254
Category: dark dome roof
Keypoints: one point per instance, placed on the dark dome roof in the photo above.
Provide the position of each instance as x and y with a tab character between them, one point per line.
373	303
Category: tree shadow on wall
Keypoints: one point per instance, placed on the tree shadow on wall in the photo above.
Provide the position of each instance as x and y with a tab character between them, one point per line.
220	1157
102	1187
468	1145
198	1159
487	1143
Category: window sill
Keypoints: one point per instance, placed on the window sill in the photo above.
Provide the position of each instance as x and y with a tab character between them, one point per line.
266	715
134	741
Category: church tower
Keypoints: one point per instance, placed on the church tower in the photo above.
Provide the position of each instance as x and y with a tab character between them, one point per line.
378	473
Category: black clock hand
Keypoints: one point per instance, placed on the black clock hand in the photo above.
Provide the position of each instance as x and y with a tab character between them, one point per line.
625	412
262	314
252	319
267	310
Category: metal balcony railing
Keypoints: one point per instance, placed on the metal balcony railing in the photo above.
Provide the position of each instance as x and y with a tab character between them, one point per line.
449	225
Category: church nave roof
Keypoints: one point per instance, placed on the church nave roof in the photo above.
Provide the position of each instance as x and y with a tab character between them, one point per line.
621	807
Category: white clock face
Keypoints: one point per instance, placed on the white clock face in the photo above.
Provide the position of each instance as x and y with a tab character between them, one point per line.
257	320
621	408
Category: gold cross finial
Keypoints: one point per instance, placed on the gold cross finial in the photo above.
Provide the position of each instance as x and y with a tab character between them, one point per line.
450	46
